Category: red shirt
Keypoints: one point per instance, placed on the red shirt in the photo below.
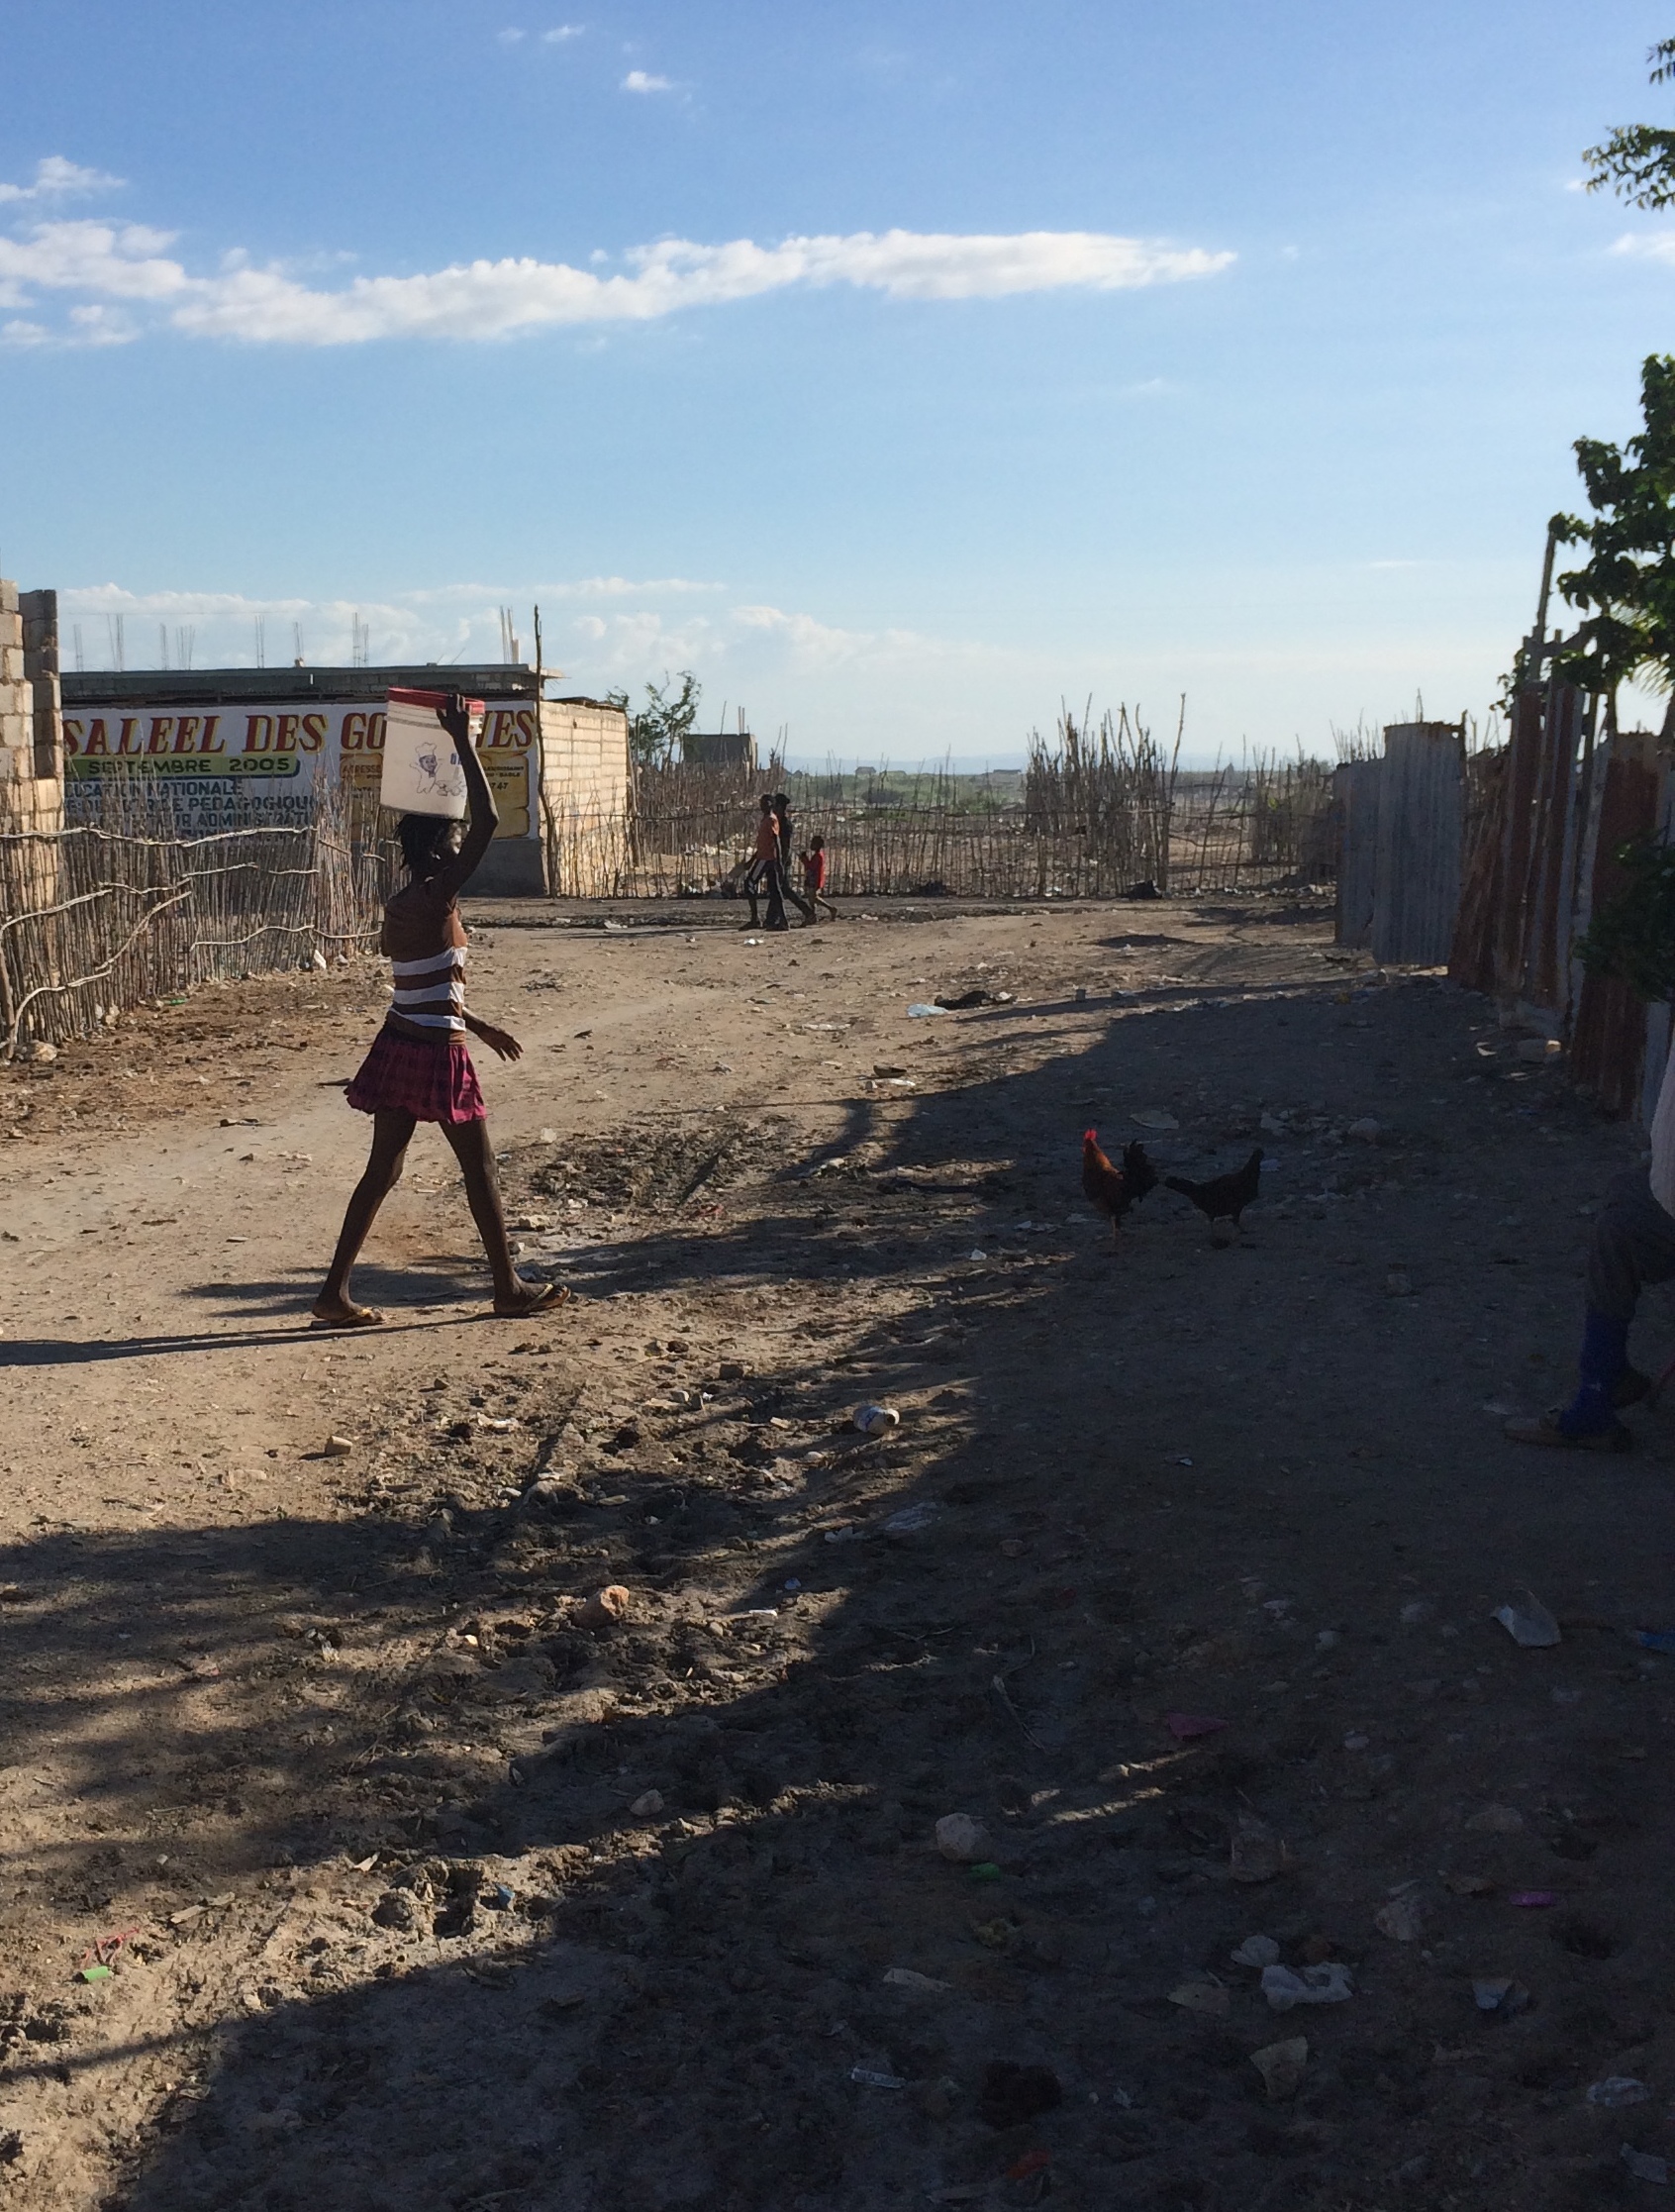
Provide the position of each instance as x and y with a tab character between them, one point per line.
814	870
767	837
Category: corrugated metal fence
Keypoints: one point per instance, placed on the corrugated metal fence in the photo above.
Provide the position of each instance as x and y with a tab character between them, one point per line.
1561	802
1402	822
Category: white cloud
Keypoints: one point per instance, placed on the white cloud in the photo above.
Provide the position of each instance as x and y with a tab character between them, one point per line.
638	80
561	31
59	179
509	37
1647	245
19	334
105	263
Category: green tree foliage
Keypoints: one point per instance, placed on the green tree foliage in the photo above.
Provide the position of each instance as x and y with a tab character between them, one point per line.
656	729
1638	160
1633	936
1629	577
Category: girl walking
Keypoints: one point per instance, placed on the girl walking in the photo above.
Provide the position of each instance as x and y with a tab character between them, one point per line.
419	1067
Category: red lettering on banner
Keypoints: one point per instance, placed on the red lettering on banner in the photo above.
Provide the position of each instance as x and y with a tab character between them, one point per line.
162	727
525	727
129	731
375	732
258	732
313	732
186	731
354	737
204	744
285	733
72	738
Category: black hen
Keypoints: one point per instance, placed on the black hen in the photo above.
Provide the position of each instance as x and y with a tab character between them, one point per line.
1226	1197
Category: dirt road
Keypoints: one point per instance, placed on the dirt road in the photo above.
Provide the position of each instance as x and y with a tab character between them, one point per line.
428	1895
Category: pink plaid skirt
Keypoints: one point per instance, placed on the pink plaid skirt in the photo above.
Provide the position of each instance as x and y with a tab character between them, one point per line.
431	1083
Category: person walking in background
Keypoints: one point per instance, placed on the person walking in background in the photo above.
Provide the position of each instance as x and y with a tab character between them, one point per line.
787	844
767	867
813	863
418	1069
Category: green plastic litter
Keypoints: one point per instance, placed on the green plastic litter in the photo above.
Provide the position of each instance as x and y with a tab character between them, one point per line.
985	1870
95	1973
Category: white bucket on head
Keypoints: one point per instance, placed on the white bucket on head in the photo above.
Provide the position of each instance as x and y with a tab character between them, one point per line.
422	773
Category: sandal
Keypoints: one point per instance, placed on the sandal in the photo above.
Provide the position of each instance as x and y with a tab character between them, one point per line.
352	1317
547	1299
1545	1428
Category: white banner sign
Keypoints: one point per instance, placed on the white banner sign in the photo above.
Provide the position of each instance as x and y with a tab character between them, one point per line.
233	766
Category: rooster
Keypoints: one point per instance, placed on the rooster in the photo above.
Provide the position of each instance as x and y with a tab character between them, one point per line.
1112	1189
1226	1197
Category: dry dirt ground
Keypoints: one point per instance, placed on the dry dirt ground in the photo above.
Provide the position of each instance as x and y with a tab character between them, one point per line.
413	1893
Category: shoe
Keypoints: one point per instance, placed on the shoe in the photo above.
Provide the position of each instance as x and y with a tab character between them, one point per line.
1545	1428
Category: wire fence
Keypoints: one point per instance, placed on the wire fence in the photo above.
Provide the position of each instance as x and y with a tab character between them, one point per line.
103	915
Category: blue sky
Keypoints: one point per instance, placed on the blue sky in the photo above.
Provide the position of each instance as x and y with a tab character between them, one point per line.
902	370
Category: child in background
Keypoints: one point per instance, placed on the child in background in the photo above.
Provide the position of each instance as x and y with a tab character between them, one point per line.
814	878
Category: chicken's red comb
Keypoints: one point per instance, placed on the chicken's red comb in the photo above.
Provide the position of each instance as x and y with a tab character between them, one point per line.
1090	1136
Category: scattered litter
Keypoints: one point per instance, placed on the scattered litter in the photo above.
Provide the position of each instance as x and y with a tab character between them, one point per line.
1209	1998
1012	2093
1355	1740
1256	1951
871	1420
1496	1820
498	1428
866	2076
1416	1610
1032	2161
1645	2166
1655	1638
337	1447
93	1974
1530	1625
1537	1049
1402	1919
985	1870
1533	1897
1468	1885
1365	1131
977	1254
1327	1640
605	1609
904	1977
1618	2090
1282	2065
1325	1985
647	1804
1258	1853
1183	1727
922	1009
911	1519
1500	1993
963	1839
1155	1118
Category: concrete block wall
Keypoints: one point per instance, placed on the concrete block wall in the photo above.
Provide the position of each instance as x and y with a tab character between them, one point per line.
584	768
40	613
31	789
